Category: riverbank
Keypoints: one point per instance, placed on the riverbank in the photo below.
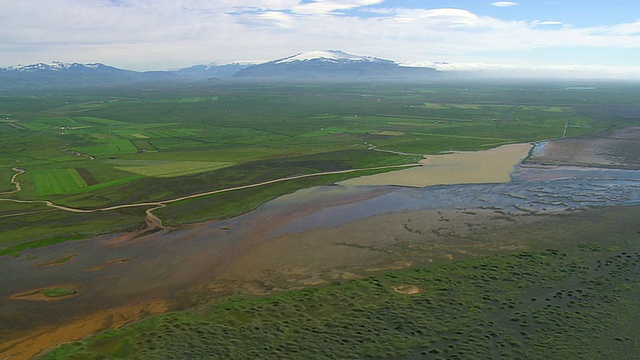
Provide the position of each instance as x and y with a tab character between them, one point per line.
311	237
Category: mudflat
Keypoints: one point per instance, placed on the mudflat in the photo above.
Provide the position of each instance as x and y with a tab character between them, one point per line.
615	149
315	237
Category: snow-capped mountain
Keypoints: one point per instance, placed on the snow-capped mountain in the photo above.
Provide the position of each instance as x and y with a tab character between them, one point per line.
59	74
54	66
332	65
327	65
334	56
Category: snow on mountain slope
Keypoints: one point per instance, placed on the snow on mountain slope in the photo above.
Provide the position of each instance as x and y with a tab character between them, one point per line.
332	65
327	55
54	66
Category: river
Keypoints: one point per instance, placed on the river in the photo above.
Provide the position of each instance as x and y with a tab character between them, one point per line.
116	271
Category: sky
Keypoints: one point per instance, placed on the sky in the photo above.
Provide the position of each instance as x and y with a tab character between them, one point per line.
567	38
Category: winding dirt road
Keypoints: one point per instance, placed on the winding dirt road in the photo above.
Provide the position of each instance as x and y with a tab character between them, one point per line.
152	220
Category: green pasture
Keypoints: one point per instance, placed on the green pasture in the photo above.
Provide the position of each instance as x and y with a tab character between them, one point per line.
131	134
57	181
144	145
107	147
172	133
99	121
69	181
183	140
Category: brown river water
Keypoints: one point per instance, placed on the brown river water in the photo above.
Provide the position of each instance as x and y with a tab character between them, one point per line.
309	237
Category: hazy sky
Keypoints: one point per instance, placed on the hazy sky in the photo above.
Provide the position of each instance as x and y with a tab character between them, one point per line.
572	37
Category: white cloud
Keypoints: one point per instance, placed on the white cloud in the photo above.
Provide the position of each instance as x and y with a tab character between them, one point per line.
632	29
537	71
504	3
330	6
137	34
438	17
547	22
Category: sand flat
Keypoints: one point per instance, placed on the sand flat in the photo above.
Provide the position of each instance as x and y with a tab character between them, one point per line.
464	167
618	149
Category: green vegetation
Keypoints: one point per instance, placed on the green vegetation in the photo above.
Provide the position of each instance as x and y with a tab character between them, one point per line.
57	181
527	305
108	147
57	292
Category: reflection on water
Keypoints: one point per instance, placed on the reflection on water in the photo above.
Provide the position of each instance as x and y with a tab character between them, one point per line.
534	190
160	265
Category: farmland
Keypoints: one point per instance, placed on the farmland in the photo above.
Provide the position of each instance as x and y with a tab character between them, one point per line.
168	188
116	146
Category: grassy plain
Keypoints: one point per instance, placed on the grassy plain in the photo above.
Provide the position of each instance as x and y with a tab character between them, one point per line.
108	147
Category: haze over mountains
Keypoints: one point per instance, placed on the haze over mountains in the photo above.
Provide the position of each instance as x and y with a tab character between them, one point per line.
331	65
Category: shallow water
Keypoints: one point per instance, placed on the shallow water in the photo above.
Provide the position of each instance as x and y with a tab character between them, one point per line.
164	264
162	258
464	167
533	190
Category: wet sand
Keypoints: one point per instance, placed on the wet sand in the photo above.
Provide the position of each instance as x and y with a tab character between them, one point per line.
310	237
465	167
616	149
28	344
416	238
379	243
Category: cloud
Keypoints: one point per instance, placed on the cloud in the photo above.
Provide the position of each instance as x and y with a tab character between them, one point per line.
318	7
535	71
627	29
504	3
137	34
438	17
547	22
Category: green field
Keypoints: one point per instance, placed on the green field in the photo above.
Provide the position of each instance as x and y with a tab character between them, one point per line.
98	148
108	147
57	181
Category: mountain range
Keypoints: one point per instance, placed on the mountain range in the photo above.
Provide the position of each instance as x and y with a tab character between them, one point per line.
328	66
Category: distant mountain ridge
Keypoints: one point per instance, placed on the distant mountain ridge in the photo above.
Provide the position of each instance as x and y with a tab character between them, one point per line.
56	66
333	65
324	65
334	56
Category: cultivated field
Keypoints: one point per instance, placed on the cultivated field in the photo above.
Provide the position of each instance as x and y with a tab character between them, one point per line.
108	147
152	166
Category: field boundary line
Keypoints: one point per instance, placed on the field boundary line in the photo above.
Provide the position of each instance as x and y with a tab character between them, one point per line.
160	204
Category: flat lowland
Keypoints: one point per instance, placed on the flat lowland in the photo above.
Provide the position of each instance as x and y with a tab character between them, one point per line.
503	270
562	255
103	148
